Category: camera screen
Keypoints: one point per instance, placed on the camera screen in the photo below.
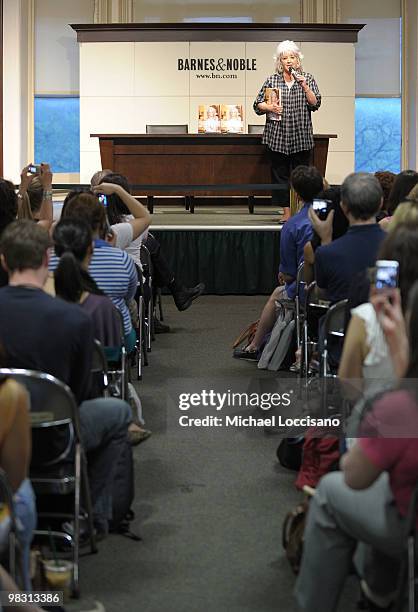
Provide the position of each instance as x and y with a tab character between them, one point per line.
103	199
320	205
33	169
387	277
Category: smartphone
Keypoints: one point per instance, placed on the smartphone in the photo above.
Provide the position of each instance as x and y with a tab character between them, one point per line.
34	169
387	272
103	199
321	207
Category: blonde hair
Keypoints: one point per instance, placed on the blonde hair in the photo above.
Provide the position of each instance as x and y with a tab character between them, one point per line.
405	213
31	201
287	46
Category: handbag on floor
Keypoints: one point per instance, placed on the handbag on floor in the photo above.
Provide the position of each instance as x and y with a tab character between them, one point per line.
293	531
247	335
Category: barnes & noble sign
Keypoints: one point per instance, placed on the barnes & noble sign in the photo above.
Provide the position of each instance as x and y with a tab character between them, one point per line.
220	64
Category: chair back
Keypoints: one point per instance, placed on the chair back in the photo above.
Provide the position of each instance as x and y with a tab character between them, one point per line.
334	323
51	401
52	405
255	129
167	129
313	301
99	368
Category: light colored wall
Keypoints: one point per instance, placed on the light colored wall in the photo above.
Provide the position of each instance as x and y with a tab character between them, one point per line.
15	87
164	11
122	88
56	48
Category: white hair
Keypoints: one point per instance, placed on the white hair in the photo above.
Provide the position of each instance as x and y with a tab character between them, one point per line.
287	46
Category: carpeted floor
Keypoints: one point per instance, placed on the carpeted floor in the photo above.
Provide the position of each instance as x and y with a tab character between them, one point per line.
209	503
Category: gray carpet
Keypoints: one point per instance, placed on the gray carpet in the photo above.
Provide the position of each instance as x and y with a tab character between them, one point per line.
209	503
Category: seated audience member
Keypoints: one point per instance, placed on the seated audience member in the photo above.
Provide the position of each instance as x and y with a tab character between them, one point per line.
364	506
307	182
35	196
128	219
112	269
162	274
43	333
73	245
386	180
339	227
366	356
338	261
15	450
404	182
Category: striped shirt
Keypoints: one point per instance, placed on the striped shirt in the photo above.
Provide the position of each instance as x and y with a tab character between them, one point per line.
115	274
294	132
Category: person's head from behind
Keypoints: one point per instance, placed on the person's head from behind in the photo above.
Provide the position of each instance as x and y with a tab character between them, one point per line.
401	245
386	180
8	204
361	197
116	209
73	241
86	206
307	181
24	247
403	184
98	177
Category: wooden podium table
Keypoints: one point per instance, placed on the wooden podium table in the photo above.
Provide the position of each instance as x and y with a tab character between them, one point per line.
196	164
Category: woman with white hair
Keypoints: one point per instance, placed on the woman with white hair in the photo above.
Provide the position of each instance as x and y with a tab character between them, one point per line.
288	131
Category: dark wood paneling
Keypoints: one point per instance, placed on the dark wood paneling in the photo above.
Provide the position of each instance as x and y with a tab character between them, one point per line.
190	159
258	32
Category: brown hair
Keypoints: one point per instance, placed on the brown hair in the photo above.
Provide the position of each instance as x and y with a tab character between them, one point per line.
23	245
86	206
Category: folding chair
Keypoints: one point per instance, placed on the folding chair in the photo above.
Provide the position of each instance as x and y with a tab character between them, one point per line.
148	296
314	308
117	370
300	285
53	405
99	369
333	328
7	514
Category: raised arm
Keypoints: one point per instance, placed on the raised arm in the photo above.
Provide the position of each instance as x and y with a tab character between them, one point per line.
142	218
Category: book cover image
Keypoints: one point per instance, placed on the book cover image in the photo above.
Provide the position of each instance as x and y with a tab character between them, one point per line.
209	118
272	96
232	118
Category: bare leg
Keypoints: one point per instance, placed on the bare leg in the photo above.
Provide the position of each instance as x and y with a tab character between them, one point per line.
267	319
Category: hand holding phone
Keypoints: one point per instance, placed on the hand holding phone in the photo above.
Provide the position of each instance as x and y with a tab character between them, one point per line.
387	272
103	199
321	208
34	169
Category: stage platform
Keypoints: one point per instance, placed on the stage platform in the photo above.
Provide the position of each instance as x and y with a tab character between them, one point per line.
230	250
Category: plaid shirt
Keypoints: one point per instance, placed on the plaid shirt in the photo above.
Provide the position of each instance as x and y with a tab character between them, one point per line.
294	132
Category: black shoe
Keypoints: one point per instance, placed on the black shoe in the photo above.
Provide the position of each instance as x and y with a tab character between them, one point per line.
240	353
183	299
160	328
